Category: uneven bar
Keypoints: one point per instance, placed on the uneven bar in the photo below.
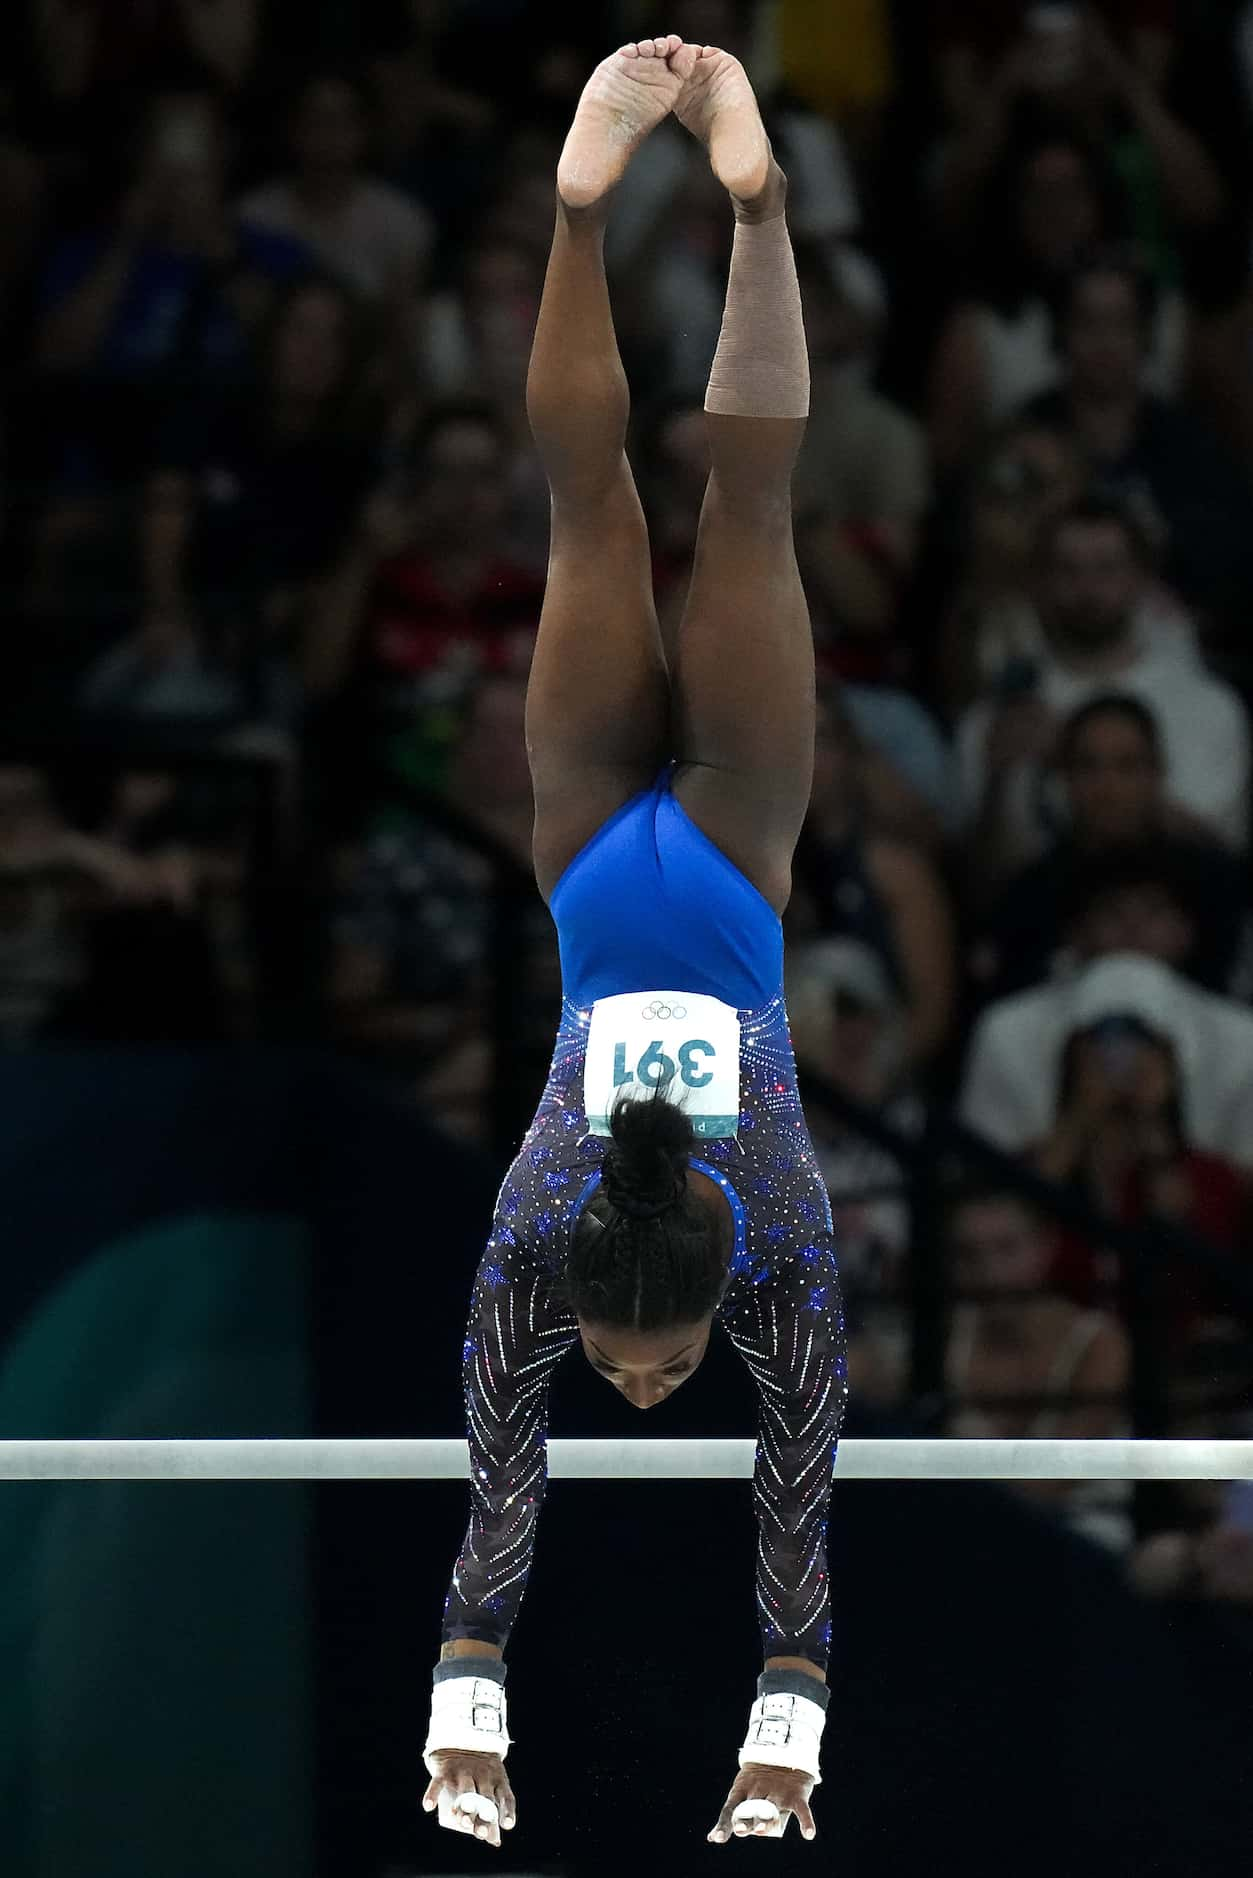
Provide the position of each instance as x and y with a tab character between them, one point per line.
570	1459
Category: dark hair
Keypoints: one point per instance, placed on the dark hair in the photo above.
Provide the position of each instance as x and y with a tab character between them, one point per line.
646	1253
1121	259
1094	510
349	411
1123	1027
1111	704
1167	866
1007	278
970	1190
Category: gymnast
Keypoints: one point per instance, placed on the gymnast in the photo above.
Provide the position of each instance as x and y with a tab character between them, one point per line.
668	1177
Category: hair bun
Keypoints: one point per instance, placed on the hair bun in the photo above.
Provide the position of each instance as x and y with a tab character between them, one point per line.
645	1171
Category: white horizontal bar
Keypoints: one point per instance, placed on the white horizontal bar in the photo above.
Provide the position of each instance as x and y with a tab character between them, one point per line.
898	1459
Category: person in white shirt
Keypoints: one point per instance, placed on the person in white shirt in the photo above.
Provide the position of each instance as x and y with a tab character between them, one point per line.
368	233
1013	1070
1091	584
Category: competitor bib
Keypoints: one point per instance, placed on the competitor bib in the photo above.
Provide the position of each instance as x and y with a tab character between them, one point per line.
684	1044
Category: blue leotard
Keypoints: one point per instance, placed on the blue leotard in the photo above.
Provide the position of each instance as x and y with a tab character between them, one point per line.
651	902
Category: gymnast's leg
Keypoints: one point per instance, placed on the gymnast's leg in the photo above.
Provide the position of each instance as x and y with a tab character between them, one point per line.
598	704
744	670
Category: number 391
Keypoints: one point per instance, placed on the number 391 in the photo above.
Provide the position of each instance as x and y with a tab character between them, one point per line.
655	1068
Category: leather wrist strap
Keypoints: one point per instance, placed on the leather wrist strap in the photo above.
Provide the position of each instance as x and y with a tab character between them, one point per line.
469	1713
785	1730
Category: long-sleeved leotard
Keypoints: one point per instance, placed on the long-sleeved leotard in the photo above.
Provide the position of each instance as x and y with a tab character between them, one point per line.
782	1309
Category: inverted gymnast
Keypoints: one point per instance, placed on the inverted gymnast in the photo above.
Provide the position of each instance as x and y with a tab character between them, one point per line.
668	1177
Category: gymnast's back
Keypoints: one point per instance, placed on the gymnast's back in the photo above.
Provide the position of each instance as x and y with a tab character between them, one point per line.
672	974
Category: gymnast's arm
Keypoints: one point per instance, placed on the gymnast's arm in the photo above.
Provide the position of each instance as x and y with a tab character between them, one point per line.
792	1338
516	1334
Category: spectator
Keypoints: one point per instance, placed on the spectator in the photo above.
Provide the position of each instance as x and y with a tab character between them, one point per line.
152	974
1016	1057
41	942
997	347
852	882
1090	590
476	343
147	814
522	207
849	1027
992	635
1025	1362
433	137
1159	459
424	598
176	284
477	334
1062	66
165	671
66	898
905	761
89	68
973	35
1130	900
1119	1138
377	239
253	498
862	484
411	929
1120	842
1030	474
80	587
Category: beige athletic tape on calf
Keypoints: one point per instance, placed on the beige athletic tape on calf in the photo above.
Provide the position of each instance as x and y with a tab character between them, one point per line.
761	367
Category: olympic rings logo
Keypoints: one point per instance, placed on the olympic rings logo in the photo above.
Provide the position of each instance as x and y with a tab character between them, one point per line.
658	1010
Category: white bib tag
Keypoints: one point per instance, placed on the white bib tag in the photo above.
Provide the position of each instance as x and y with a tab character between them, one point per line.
685	1044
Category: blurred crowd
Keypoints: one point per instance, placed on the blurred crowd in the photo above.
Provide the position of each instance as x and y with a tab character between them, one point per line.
272	553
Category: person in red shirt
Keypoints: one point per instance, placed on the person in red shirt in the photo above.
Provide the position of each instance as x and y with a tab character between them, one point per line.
1120	1136
428	594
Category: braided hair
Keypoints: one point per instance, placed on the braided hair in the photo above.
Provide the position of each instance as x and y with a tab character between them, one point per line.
646	1253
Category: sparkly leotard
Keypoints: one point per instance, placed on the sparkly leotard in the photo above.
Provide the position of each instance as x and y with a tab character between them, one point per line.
651	902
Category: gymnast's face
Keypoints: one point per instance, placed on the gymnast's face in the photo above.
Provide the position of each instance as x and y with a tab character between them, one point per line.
645	1365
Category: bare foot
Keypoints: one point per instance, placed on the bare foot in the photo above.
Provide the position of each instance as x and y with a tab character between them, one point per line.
718	105
627	96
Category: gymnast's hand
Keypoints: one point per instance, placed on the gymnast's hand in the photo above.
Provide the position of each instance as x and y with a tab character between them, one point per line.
768	1796
476	1774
